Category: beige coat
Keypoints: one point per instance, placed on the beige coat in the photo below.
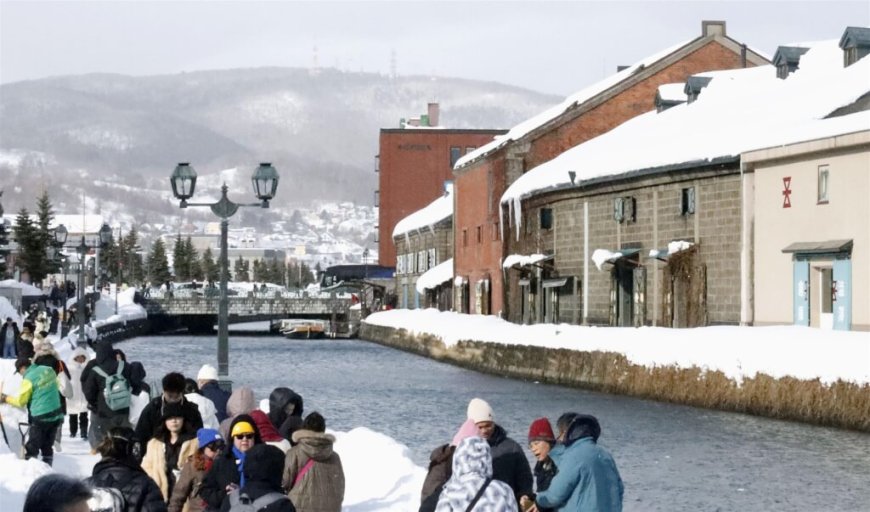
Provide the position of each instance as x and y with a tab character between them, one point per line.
154	462
321	489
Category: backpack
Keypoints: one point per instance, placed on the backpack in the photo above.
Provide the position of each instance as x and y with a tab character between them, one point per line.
240	502
107	499
116	390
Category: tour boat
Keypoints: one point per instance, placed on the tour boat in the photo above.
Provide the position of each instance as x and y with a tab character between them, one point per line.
303	329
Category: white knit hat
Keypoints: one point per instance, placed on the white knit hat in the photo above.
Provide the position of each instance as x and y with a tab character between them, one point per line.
479	410
207	372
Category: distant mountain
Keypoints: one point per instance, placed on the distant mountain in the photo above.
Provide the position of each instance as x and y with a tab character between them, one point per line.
118	137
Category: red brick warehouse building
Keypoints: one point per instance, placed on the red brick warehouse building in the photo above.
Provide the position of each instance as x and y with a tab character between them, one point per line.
414	162
483	176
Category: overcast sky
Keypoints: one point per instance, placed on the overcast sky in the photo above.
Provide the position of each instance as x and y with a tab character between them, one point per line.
554	47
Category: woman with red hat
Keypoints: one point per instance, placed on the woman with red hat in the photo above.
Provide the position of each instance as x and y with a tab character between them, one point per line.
541	440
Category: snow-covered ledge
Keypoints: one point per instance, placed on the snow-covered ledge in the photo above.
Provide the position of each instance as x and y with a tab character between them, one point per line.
435	276
786	372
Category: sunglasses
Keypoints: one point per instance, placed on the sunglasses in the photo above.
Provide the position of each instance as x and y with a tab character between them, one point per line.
244	436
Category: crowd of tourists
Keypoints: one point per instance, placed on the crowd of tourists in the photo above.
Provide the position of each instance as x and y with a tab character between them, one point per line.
195	447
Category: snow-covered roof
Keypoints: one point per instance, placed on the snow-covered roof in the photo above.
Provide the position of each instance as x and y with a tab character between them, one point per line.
435	276
27	290
428	216
739	111
577	98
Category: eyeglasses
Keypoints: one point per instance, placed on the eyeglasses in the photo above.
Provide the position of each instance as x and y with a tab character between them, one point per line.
244	436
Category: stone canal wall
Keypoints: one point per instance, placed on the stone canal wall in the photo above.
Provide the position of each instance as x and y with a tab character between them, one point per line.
844	405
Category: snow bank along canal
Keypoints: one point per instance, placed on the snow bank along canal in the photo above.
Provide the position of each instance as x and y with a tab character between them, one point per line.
671	457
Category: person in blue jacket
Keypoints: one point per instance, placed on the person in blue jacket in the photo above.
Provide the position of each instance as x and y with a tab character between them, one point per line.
587	479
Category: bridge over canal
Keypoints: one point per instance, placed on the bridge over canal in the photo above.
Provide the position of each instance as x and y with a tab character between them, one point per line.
199	313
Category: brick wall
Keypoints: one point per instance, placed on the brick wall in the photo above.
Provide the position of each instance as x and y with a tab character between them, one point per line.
413	167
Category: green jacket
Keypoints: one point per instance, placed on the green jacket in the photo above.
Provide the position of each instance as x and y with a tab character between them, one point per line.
39	392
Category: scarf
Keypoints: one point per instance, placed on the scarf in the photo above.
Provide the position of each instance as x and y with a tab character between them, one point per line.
240	462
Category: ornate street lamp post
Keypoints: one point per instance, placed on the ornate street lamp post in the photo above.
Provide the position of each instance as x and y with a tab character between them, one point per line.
60	234
183	182
105	237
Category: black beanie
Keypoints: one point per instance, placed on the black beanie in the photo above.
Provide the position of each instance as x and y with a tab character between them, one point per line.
264	463
171	410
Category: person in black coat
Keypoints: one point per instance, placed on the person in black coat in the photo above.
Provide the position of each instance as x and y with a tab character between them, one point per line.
509	463
9	343
93	384
225	474
285	412
264	466
152	414
206	379
118	469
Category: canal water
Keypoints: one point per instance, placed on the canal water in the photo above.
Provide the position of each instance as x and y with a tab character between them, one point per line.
670	457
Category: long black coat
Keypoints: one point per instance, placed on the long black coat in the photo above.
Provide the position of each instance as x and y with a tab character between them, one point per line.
224	471
151	416
140	492
93	383
14	340
509	463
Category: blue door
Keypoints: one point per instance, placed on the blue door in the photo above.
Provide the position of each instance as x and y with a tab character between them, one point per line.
842	294
801	293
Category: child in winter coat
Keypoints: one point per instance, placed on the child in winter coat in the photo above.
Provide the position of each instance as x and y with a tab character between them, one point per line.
77	406
185	495
313	474
173	442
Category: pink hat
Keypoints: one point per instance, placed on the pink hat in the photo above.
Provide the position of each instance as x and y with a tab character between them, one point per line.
468	429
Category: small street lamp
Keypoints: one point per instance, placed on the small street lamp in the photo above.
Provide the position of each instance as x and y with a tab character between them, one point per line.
104	238
183	182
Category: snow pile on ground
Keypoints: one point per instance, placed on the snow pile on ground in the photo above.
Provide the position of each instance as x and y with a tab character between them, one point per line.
104	309
738	352
379	473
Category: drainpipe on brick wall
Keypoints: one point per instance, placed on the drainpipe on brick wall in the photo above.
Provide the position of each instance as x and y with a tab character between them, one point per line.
747	214
585	262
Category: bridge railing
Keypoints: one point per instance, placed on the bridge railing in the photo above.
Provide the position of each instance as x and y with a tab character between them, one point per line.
187	293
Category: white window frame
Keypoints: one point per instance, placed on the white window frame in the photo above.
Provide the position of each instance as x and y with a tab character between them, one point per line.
823	184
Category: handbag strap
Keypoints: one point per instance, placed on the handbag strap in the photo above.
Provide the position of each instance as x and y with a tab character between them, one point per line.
302	471
478	495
